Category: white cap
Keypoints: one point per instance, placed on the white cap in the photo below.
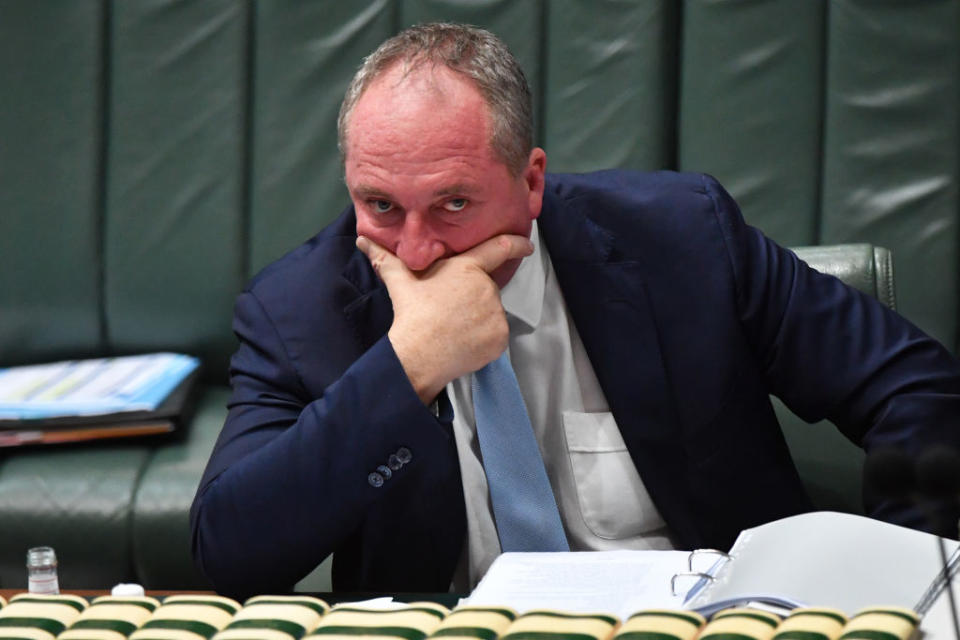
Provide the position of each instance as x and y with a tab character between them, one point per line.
127	589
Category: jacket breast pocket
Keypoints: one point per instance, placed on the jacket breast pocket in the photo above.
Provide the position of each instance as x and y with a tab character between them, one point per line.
612	499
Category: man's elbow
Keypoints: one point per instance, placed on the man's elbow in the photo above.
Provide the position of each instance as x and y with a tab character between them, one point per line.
211	552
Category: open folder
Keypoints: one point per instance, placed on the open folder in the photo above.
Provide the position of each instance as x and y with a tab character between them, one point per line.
828	559
824	558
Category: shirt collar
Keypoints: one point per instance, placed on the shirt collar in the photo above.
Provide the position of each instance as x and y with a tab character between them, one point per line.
522	297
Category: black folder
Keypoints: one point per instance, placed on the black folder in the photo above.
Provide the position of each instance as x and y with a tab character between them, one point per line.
173	413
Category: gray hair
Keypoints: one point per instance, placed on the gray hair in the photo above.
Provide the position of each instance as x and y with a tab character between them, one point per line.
468	50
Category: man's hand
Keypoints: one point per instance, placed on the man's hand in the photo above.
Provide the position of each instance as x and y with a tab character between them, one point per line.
447	319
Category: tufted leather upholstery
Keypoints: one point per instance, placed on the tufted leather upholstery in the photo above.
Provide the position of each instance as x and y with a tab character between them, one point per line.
156	154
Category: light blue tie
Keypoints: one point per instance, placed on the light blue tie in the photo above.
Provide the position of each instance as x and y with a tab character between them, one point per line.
524	506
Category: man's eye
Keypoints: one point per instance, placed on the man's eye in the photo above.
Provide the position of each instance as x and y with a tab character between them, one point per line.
457	204
381	206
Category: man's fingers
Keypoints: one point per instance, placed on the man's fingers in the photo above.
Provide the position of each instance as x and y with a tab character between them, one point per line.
488	255
492	253
382	261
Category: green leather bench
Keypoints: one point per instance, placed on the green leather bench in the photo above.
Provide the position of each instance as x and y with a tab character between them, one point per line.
156	154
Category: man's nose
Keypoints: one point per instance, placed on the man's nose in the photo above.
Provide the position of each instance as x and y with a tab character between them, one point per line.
418	247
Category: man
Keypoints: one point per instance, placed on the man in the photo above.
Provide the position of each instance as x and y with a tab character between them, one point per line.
646	324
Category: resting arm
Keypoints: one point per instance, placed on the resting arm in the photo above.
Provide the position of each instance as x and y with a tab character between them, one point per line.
832	352
287	483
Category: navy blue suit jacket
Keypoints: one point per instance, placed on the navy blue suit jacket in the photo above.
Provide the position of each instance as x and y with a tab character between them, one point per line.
690	319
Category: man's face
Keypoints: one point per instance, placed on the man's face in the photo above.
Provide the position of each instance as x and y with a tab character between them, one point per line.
422	176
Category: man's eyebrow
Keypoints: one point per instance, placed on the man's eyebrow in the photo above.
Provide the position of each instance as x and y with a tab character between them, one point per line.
454	189
366	191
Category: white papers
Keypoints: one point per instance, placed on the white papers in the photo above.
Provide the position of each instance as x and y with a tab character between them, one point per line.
614	582
91	387
819	559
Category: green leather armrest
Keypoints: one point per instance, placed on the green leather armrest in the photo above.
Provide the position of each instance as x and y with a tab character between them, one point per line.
863	266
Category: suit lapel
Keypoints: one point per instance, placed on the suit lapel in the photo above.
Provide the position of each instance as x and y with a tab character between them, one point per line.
610	306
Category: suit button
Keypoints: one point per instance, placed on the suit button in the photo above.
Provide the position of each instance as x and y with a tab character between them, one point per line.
394	462
375	480
404	455
385	471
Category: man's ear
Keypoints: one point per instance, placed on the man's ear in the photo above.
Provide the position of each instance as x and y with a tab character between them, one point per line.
534	175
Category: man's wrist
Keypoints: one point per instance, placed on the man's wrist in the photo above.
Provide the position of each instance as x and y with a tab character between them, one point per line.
417	368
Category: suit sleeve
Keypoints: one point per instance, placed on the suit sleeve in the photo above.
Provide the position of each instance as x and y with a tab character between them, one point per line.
289	478
831	352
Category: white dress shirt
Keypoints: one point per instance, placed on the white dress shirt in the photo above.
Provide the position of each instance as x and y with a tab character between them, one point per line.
603	503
